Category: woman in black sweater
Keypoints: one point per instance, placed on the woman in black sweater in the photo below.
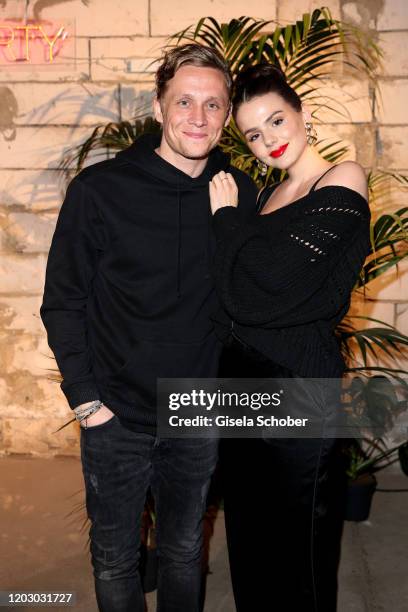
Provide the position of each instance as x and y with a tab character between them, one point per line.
284	280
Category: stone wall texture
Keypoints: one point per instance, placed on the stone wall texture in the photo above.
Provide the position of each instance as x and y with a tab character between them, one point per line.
44	112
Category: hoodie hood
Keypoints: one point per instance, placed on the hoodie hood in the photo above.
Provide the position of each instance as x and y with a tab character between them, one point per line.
143	155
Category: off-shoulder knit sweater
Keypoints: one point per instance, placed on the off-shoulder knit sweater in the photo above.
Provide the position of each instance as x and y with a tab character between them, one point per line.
285	278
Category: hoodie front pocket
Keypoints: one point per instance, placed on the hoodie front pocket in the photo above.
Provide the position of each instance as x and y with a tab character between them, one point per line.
136	381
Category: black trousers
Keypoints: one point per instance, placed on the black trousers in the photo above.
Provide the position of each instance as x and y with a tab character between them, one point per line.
284	505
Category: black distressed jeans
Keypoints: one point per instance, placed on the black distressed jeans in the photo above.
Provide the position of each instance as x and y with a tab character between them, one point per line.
119	465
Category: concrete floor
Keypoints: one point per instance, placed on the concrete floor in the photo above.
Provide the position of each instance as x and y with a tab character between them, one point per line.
43	548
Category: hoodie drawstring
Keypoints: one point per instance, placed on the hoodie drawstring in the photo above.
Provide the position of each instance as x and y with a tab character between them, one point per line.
207	250
208	246
179	242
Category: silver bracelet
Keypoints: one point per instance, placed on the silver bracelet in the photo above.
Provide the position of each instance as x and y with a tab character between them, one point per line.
84	413
80	410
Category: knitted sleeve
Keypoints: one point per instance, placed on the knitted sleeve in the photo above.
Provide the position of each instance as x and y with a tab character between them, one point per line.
301	274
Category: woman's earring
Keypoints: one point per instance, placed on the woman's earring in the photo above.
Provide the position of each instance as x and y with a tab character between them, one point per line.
311	134
262	167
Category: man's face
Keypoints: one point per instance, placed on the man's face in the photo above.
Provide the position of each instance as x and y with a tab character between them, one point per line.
193	111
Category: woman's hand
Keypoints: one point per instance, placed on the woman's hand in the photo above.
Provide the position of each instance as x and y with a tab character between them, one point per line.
223	191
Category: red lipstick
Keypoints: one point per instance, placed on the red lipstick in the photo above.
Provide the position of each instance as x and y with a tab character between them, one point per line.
280	151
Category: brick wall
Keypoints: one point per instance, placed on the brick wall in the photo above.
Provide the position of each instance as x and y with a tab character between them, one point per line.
44	112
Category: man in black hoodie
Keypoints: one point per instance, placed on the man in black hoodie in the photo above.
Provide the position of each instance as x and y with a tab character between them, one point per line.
128	298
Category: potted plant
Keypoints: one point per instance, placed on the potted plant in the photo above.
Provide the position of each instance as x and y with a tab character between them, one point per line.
366	457
374	405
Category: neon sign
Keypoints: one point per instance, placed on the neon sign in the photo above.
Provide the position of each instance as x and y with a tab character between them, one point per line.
32	43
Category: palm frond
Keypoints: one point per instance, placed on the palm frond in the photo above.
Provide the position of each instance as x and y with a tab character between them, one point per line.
389	241
376	265
239	41
369	340
114	136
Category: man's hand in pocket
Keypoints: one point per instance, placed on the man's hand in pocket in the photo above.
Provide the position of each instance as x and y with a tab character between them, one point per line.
100	416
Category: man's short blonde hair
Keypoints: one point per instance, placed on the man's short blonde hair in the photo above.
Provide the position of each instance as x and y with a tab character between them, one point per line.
191	54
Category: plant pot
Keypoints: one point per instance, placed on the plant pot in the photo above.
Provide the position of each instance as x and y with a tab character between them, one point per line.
359	495
148	568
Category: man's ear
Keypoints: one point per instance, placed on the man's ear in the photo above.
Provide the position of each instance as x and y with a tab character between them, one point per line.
228	117
158	115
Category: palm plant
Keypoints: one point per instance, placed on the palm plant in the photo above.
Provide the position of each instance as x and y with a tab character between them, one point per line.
374	405
370	455
307	51
389	239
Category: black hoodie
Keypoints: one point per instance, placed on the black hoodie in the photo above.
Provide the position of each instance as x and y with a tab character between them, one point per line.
128	291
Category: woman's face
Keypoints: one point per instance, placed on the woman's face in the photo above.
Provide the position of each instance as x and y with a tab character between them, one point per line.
274	131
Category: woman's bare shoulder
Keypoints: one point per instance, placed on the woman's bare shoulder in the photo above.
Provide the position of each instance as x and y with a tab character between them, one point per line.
347	174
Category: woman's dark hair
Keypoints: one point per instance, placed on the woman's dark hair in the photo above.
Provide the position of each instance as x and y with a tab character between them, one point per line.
262	79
